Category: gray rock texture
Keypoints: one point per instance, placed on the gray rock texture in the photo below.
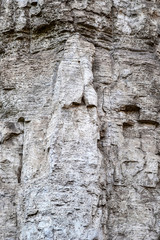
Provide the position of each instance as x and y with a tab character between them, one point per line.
79	120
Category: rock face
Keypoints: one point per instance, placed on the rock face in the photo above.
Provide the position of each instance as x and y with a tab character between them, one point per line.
80	120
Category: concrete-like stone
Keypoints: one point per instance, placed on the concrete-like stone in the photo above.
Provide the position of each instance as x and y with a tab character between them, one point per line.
80	121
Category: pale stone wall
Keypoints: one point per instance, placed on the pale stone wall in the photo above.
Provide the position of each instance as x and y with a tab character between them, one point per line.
80	115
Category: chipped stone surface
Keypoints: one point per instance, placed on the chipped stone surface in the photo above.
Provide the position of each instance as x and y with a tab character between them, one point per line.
80	120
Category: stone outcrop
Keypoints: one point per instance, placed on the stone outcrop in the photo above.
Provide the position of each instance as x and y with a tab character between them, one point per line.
80	120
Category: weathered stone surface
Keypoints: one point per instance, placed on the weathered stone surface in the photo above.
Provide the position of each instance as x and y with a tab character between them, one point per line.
80	120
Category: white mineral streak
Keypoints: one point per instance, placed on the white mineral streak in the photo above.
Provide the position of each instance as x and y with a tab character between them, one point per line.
75	160
75	77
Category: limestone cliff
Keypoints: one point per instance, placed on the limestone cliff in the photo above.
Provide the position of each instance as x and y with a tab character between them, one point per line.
79	120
